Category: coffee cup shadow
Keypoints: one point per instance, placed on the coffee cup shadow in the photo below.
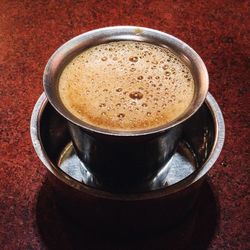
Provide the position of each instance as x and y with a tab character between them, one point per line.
59	231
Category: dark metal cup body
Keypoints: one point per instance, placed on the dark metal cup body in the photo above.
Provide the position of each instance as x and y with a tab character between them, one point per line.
124	162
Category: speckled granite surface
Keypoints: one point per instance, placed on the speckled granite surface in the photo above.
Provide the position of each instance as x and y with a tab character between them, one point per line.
30	31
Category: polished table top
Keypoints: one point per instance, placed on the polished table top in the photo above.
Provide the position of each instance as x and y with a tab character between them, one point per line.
30	31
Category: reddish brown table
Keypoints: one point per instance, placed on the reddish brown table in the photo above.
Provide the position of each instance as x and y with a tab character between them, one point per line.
29	33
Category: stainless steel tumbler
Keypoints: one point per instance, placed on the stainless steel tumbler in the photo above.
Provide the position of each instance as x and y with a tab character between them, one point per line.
122	160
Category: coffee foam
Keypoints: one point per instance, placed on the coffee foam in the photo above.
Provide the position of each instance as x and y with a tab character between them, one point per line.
126	85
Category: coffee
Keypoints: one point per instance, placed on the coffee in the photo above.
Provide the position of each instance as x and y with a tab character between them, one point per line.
126	86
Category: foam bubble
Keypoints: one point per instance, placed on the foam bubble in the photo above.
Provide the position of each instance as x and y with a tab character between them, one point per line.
133	58
136	95
121	115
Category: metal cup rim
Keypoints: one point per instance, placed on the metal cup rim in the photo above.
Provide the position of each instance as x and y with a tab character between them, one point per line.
114	33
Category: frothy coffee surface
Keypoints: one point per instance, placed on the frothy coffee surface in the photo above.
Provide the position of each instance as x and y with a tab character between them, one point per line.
126	86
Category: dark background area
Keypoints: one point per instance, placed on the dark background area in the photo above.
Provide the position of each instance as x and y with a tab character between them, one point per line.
30	31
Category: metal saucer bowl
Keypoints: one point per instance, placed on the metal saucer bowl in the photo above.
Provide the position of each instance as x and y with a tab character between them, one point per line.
166	199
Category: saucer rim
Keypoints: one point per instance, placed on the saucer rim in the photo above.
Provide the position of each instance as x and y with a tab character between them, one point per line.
151	194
